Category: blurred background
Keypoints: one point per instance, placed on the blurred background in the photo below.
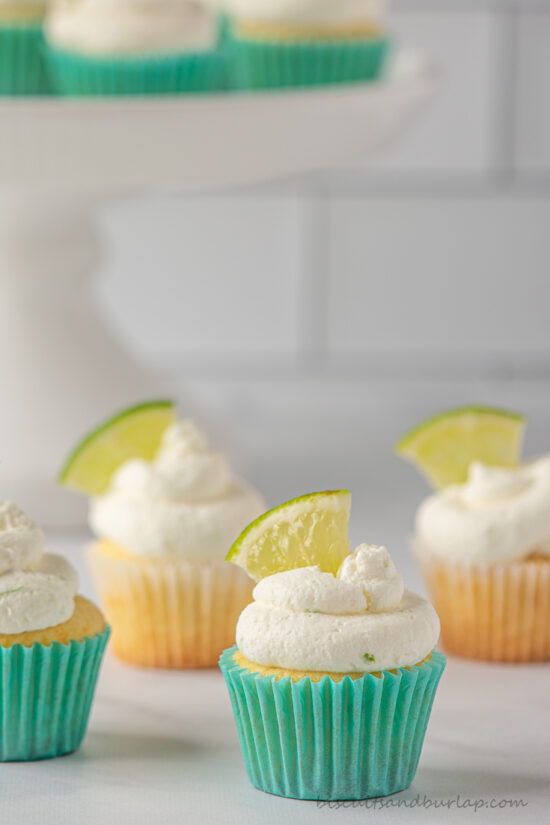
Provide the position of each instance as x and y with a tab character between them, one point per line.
308	325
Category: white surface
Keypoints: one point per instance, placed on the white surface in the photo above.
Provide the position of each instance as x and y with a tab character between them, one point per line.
207	141
162	747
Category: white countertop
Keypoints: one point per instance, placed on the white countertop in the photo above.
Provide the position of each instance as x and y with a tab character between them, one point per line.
162	748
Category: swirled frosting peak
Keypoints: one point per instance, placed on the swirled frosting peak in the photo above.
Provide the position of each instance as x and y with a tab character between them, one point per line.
21	540
185	503
37	589
499	514
371	567
361	620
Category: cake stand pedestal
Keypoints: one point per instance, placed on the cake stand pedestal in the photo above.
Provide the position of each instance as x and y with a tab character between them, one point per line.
60	159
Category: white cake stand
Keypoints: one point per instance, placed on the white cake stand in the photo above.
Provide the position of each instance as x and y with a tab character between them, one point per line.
62	367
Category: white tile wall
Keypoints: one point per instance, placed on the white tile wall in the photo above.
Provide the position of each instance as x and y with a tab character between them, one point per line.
533	110
205	275
455	134
443	271
443	276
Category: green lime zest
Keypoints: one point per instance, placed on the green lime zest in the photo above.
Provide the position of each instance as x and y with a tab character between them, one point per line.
13	590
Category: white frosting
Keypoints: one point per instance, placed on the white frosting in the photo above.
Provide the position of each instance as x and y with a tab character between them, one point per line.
372	568
126	27
498	515
304	12
186	503
37	590
305	619
21	540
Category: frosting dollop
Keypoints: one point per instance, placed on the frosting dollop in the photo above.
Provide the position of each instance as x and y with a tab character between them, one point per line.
21	540
361	620
372	568
126	27
304	11
499	514
185	503
37	589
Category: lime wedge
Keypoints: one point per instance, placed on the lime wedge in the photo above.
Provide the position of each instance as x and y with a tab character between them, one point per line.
309	530
132	433
443	447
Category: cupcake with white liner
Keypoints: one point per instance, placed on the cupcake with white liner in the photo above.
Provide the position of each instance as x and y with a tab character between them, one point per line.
134	47
483	538
51	645
164	516
484	548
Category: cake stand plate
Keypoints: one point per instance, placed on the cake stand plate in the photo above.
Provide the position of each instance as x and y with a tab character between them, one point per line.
60	159
206	142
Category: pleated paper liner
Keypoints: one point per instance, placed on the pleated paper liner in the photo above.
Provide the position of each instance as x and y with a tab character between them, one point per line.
46	693
498	613
329	740
197	72
170	613
263	64
22	65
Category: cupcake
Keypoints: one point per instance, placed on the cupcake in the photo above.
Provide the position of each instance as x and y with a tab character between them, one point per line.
334	671
278	43
163	525
483	539
51	646
133	47
22	66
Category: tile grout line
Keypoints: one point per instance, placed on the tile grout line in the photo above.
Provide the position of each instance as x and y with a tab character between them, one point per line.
504	121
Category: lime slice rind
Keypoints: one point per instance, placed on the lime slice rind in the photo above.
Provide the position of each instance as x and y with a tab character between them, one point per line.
444	446
305	531
135	432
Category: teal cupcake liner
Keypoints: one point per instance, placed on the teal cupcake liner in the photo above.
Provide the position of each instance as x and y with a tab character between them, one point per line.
196	72
328	740
46	693
23	69
261	64
224	28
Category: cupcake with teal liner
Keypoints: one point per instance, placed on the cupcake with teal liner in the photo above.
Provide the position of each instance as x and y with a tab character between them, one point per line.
51	646
281	43
22	65
134	47
334	672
